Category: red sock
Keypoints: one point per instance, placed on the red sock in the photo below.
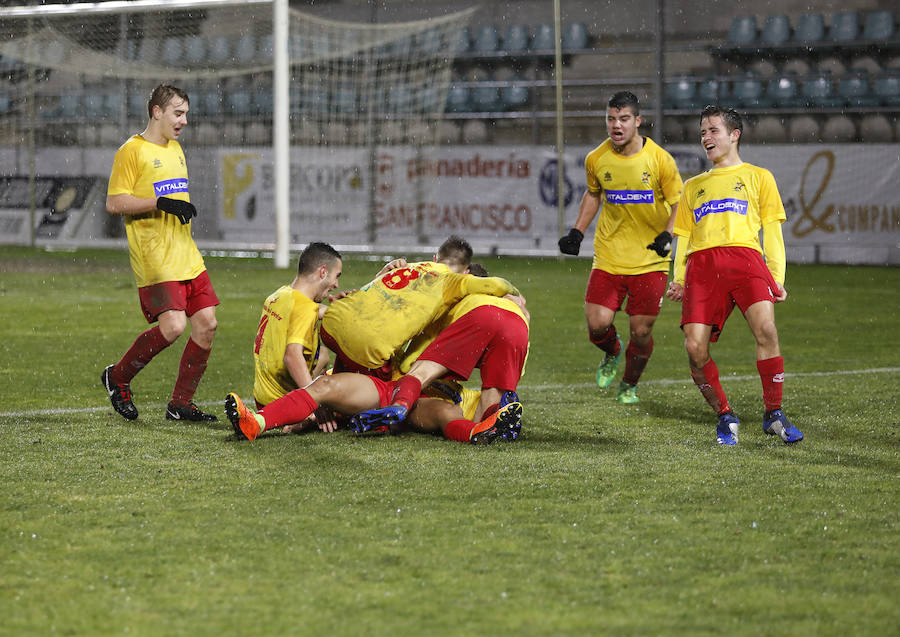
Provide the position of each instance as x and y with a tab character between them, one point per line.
458	430
707	381
406	391
771	373
606	340
145	347
636	357
492	409
290	409
190	371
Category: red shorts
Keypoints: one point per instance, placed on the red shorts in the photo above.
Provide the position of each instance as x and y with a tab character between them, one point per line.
490	338
645	291
186	296
385	390
345	364
718	278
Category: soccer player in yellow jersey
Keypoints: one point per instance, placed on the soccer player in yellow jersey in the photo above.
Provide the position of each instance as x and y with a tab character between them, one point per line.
149	186
286	350
638	185
719	264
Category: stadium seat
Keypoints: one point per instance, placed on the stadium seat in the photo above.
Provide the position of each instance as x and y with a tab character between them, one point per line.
710	91
875	128
770	129
266	49
575	36
810	27
219	50
345	98
92	104
782	92
239	102
486	39
257	133
475	131
172	51
839	129
844	27
70	106
887	88
776	30
516	38
853	88
245	49
208	102
818	91
430	41
463	43
458	99
544	38
742	31
803	129
263	102
879	26
112	104
148	50
747	92
680	93
194	49
515	97
486	98
137	104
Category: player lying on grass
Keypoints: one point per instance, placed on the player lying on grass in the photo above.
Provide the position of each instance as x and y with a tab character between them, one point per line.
487	332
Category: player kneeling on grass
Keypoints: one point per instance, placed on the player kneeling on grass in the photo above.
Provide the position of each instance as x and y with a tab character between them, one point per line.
720	265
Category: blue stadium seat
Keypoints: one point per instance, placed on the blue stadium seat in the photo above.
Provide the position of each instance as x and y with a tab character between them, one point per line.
486	98
208	102
239	102
245	49
710	91
148	50
742	31
853	87
776	30
515	97
401	99
575	36
5	104
266	49
486	39
818	91
172	51
879	26
782	92
887	88
137	104
463	43
92	104
748	92
680	93
516	38
194	49
345	99
263	102
219	50
844	27
810	27
458	99
70	106
112	104
544	38
430	41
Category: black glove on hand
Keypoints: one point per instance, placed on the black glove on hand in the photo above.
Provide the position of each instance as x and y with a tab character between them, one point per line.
571	243
662	244
184	210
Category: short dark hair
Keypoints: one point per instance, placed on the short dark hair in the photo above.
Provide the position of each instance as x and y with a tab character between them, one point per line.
731	118
455	251
625	98
477	269
163	94
314	256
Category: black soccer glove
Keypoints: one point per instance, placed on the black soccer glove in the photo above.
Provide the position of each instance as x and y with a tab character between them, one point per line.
662	244
184	210
571	243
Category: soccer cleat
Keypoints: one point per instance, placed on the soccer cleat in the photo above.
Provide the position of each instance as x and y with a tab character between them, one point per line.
508	397
505	423
188	412
627	394
243	421
727	429
775	423
119	395
606	371
374	419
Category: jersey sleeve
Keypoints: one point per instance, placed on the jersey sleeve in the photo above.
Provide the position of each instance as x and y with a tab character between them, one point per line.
492	285
773	246
124	173
670	179
771	208
684	220
301	330
593	185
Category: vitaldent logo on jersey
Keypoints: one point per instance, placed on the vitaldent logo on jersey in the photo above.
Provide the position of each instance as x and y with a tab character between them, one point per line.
720	205
629	196
170	186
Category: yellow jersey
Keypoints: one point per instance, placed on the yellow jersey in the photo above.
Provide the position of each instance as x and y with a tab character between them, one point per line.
728	207
377	320
160	247
288	317
638	192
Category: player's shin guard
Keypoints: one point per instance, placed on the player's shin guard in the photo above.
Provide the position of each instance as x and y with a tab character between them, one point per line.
190	371
150	343
290	409
636	358
771	373
606	340
406	392
707	381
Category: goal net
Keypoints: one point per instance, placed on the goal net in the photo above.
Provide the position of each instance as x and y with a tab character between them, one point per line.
364	100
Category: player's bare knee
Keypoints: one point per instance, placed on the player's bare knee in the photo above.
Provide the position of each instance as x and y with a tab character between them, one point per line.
697	351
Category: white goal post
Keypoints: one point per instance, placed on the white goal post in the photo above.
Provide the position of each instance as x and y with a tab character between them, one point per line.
270	88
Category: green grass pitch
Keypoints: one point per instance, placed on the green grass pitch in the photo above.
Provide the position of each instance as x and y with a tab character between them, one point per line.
601	519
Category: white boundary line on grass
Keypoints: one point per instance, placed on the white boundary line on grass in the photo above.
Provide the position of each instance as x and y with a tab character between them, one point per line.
662	381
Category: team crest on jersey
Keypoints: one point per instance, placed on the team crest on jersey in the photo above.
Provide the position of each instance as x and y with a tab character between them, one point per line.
645	177
157	163
739	186
701	193
607	177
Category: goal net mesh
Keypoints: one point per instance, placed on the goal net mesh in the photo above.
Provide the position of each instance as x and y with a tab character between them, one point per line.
363	98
